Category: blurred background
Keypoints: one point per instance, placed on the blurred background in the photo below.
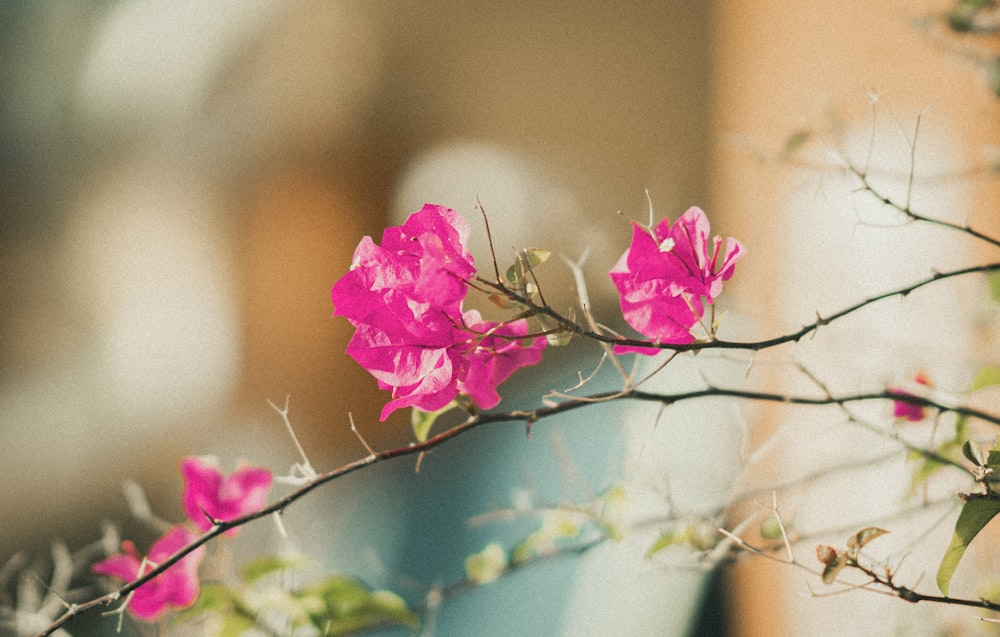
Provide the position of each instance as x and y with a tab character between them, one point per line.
181	184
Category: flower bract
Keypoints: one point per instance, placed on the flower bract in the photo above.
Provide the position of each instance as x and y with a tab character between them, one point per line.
209	494
404	298
177	587
667	275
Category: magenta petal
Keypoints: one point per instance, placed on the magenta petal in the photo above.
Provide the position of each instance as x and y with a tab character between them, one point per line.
665	278
124	566
490	360
208	493
177	587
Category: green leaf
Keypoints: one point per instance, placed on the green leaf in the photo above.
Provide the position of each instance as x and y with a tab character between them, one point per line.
770	529
993	460
857	541
993	280
973	452
797	139
234	625
925	468
342	605
487	565
988	376
665	541
261	567
214	597
975	515
527	259
613	507
963	14
833	569
422	421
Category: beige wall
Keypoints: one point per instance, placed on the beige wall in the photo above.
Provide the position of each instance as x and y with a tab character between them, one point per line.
779	67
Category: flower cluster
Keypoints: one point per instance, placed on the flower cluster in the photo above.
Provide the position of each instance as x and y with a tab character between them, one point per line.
405	300
208	496
668	274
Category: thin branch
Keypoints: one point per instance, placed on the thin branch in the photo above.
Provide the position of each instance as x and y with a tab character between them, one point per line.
792	337
481	419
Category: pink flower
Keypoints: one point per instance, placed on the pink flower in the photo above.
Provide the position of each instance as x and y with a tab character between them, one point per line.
667	275
404	299
177	587
208	493
415	280
488	361
908	411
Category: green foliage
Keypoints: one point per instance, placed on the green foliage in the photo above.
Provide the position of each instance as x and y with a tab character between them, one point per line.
695	536
527	260
557	525
256	569
962	17
222	603
994	279
988	376
770	529
957	445
796	140
343	605
487	565
858	541
335	605
975	515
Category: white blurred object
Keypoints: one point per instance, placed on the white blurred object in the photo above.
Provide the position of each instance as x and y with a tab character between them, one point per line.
526	208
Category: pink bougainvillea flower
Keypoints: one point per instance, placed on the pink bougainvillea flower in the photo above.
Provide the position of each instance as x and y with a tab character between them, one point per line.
177	587
908	411
666	276
208	493
415	281
404	299
490	360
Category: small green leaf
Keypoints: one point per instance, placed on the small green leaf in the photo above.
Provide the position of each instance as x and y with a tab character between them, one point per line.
234	625
665	541
993	460
973	452
988	376
857	541
261	567
535	256
613	507
964	12
560	338
975	515
214	597
833	569
422	421
343	605
993	280
925	468
487	565
527	259
770	529
797	139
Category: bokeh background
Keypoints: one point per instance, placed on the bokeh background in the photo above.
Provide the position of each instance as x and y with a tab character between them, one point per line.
181	183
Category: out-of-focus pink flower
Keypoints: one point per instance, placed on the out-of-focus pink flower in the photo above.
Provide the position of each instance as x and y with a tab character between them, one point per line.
908	411
208	493
404	299
666	276
177	587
